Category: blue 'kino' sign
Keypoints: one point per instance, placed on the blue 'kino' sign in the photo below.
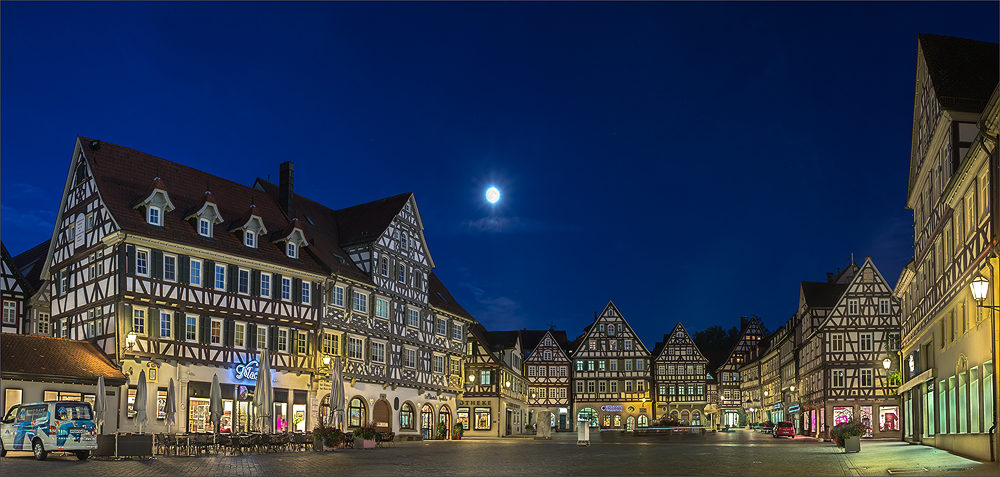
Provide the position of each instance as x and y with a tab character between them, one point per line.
247	371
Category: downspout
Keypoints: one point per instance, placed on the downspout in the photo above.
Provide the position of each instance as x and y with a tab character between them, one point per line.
119	320
993	162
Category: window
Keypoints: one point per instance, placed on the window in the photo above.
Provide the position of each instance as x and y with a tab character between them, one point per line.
292	250
165	321
356	413
590	365
191	328
138	320
141	263
628	386
591	387
406	416
640	364
628	365
602	386
883	306
283	340
867	378
220	277
484	376
169	268
249	239
837	342
579	365
439	364
413	318
301	342
541	370
215	334
9	312
410	358
261	337
456	331
579	386
592	345
838	378
360	302
547	355
154	216
382	308
893	342
600	365
628	345
195	272
442	327
378	352
531	370
204	228
402	239
330	343
384	266
286	288
401	273
456	367
239	335
337	296
984	194
866	342
304	292
43	323
852	306
244	283
482	415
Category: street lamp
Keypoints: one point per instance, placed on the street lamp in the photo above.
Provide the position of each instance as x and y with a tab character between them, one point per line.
130	340
886	363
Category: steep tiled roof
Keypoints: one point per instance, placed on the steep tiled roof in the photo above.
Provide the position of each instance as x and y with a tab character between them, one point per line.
502	339
964	72
821	294
366	222
439	297
531	338
321	226
124	174
30	262
56	359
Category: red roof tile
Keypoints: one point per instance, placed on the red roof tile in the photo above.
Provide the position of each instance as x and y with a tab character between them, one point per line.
55	359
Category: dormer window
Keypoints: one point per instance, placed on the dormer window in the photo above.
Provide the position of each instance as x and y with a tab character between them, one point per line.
292	250
292	239
204	228
249	239
251	226
154	216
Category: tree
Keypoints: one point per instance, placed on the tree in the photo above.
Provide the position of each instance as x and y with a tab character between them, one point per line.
716	339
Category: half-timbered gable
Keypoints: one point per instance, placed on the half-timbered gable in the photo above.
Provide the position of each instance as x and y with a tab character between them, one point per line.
30	264
611	372
679	373
727	373
547	368
495	393
15	292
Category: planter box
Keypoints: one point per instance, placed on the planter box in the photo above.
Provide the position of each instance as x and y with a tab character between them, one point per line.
368	444
852	444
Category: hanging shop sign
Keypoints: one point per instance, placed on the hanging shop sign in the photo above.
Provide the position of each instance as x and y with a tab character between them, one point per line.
612	408
793	407
777	405
247	372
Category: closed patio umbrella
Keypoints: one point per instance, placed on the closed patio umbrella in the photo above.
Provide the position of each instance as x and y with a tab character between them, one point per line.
100	404
170	404
336	394
140	402
215	405
263	395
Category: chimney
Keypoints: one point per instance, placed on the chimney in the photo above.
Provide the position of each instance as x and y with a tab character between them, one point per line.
743	322
595	316
829	277
285	193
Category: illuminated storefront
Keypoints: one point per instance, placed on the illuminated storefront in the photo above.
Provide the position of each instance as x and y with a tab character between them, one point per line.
625	416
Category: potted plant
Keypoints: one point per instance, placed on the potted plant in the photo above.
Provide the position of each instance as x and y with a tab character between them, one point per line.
847	435
442	431
326	438
457	432
367	435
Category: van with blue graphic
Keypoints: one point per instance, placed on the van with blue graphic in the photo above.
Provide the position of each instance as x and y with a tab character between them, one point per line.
51	426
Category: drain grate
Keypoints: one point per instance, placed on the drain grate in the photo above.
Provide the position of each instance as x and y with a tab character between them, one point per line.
912	470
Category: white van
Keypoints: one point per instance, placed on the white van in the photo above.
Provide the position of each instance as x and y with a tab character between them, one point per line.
51	426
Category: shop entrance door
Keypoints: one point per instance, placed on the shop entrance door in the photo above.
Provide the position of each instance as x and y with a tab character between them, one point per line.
510	417
380	413
562	422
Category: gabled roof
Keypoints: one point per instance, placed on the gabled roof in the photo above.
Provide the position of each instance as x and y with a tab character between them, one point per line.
666	338
500	340
531	338
822	294
439	297
743	336
964	72
123	175
366	222
29	263
479	333
320	225
56	360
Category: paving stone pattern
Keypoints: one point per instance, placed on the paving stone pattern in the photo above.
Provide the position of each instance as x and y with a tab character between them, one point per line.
736	453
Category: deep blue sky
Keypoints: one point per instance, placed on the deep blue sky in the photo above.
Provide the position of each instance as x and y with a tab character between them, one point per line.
690	161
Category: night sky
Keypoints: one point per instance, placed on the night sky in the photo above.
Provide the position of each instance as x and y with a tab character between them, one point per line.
690	161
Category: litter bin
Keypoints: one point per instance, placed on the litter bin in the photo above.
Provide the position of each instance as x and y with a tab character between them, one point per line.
583	433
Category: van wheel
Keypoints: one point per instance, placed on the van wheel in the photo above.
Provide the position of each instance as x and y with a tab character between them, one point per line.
82	455
40	453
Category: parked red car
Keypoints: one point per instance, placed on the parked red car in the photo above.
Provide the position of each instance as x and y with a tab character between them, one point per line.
783	429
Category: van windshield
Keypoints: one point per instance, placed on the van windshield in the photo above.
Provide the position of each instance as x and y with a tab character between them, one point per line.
79	411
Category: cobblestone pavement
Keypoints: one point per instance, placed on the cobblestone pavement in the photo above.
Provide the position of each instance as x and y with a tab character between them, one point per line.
735	453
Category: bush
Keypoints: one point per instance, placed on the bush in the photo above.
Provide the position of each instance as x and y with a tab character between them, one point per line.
365	432
330	436
669	421
442	430
846	429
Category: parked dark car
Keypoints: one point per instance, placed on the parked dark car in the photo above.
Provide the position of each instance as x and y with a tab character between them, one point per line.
783	429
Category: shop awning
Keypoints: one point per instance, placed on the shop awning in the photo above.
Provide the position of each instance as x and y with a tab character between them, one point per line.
919	379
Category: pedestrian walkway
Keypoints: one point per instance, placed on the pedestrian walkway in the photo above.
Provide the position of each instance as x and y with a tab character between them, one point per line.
902	458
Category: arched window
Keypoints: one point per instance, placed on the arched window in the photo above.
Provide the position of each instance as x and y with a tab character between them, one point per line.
643	421
444	417
356	413
695	418
427	421
630	423
684	417
324	410
406	416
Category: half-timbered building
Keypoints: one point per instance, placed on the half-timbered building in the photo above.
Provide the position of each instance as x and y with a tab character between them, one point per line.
494	402
39	306
679	375
547	370
611	374
842	371
727	374
949	346
400	333
184	275
14	293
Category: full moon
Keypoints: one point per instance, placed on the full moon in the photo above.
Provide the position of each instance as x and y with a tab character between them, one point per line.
492	195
